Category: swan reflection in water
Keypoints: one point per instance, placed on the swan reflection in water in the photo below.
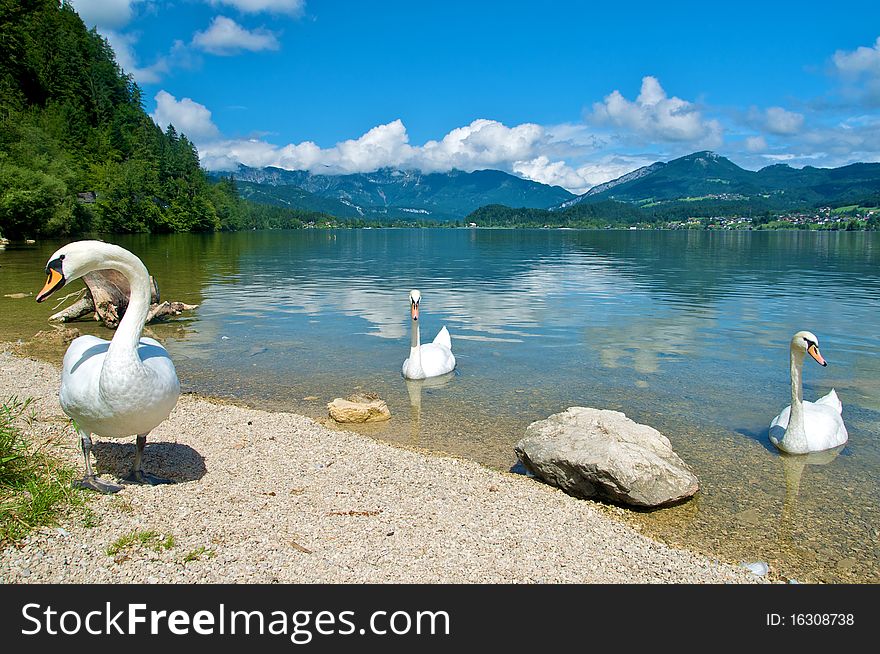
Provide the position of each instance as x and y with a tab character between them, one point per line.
793	466
415	387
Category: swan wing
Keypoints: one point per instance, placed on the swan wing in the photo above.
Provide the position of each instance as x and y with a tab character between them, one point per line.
823	429
779	424
79	394
443	338
135	406
436	359
824	426
831	400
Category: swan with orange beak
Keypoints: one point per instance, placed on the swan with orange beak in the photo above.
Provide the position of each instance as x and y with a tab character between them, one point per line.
804	427
431	359
123	387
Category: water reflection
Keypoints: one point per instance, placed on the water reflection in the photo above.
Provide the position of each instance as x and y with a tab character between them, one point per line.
415	388
793	466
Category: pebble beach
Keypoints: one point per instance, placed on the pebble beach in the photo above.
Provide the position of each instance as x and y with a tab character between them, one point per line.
269	497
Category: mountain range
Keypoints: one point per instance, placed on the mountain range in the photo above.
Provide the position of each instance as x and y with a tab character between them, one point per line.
391	193
709	177
702	183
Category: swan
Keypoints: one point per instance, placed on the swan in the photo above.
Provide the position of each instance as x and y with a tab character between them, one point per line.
117	388
804	427
432	359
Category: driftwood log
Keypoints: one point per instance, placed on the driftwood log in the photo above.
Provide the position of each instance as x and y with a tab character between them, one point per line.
106	295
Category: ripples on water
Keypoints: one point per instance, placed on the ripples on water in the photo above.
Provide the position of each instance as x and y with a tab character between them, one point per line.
687	331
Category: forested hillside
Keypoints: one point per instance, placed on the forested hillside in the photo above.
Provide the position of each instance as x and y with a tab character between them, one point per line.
78	152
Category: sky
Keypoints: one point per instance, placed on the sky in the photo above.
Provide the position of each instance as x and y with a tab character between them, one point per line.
566	93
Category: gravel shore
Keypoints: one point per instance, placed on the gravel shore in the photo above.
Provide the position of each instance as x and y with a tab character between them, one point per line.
276	497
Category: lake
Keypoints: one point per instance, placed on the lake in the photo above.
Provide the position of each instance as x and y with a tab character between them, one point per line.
687	331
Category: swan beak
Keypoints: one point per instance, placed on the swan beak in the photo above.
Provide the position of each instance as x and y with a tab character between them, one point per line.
53	283
814	352
415	311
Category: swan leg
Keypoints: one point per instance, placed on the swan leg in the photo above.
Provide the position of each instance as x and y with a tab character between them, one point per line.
90	481
137	474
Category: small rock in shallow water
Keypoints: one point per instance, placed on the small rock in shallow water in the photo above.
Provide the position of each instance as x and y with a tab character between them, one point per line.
758	568
359	408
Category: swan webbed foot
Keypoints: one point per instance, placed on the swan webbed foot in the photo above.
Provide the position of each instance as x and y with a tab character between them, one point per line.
141	477
91	482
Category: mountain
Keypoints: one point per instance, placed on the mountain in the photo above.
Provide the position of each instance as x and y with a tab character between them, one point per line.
395	193
706	177
295	197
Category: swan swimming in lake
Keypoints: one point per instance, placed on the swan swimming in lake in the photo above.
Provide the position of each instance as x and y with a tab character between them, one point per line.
804	427
431	359
123	387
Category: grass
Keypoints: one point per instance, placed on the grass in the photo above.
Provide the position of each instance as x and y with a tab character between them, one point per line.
35	487
198	553
148	538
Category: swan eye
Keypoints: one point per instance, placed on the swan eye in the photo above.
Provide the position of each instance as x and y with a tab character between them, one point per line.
61	258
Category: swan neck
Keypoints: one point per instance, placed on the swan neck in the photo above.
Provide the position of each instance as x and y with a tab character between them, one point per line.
128	333
796	419
415	339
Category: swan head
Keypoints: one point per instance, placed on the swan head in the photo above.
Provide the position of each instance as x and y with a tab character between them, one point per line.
69	263
414	299
805	342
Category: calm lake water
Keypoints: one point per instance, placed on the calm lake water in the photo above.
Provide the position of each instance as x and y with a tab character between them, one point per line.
685	331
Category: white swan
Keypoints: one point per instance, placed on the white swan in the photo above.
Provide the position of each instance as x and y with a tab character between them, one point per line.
804	427
430	359
117	388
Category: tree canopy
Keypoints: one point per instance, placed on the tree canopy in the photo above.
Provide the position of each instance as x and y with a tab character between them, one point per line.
78	152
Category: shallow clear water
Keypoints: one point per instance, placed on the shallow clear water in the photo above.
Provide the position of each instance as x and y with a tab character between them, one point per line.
685	331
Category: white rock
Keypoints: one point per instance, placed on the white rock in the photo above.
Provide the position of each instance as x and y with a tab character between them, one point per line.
758	568
596	453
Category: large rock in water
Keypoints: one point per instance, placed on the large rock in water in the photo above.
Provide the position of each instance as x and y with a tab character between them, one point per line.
596	453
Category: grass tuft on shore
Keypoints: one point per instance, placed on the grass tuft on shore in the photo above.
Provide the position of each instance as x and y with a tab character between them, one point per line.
198	553
146	538
35	487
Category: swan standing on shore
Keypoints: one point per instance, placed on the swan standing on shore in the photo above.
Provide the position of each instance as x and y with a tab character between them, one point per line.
804	427
118	388
431	359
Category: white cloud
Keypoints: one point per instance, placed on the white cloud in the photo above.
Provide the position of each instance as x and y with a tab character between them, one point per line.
779	121
860	71
187	116
554	173
756	144
862	60
291	7
656	116
580	179
482	144
226	37
123	47
105	14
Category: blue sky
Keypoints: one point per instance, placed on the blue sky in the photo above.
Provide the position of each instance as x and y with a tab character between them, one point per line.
568	93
